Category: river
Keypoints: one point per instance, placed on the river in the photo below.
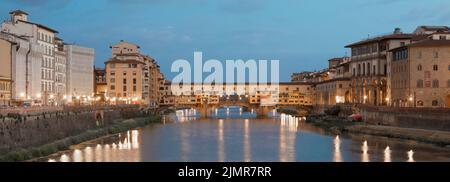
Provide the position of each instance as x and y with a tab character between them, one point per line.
234	135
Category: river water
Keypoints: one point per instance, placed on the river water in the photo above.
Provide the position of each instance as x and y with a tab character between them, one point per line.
234	135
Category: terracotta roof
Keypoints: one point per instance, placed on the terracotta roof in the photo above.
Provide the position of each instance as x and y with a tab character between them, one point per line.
41	26
333	80
123	61
381	38
434	28
425	43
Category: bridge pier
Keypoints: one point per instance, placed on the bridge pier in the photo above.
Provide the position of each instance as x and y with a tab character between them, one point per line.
263	111
205	111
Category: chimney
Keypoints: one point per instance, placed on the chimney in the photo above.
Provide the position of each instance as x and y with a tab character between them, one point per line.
397	31
18	15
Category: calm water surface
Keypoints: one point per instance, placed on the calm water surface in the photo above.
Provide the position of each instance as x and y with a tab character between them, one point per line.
234	135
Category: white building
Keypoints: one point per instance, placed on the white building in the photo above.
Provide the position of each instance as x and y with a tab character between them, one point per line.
34	67
60	71
80	71
44	69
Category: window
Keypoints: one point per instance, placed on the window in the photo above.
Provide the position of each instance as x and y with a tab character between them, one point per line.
113	87
448	83
419	67
448	67
434	103
419	55
124	89
442	37
124	81
420	103
113	80
402	43
419	83
436	54
134	80
134	73
112	73
435	67
112	65
435	84
134	88
124	73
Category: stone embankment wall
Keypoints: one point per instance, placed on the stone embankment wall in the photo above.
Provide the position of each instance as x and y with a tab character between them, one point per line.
30	130
343	110
421	118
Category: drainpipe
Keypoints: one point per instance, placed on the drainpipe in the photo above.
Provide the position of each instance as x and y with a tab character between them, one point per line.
27	82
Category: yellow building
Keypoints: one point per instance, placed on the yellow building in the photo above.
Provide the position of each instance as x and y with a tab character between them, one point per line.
132	77
6	57
420	75
288	93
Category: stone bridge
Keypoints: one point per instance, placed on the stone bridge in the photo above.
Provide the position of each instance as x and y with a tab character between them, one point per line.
206	109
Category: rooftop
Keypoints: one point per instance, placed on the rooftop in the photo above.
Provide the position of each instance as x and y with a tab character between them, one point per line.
381	38
18	11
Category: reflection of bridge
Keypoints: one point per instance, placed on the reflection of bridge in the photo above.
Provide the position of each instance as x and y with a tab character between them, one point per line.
206	108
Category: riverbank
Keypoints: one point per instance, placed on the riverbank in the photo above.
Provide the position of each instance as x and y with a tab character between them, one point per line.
64	144
339	125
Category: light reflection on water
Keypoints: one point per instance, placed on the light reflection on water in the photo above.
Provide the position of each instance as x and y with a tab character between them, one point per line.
230	137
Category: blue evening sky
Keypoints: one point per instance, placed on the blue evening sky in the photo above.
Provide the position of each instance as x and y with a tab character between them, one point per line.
302	34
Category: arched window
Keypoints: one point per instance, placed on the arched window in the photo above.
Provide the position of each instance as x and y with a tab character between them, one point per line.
419	67
419	103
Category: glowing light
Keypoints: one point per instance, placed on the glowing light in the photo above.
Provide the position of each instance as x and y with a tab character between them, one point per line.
387	154
22	94
38	96
339	99
387	99
365	97
365	154
410	98
411	156
51	96
337	149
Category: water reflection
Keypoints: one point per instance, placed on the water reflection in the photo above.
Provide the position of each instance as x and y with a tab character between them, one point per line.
288	135
337	149
246	141
128	146
281	138
221	142
410	156
365	153
387	154
186	115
